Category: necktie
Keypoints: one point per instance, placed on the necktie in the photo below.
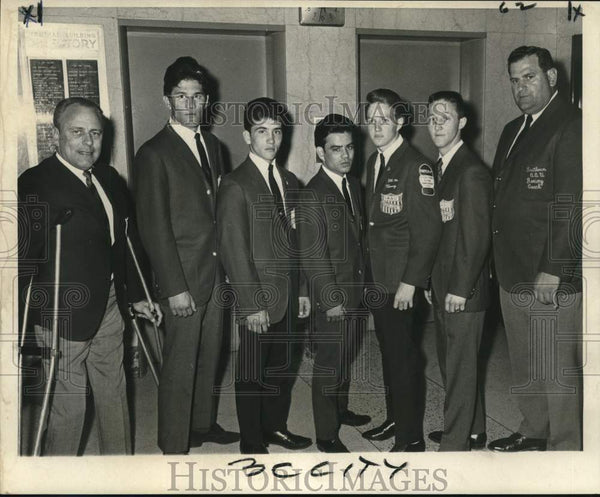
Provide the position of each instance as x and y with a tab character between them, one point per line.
203	159
438	170
97	200
528	121
381	167
347	197
276	192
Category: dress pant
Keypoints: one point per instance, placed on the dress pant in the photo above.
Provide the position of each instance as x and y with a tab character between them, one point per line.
402	369
266	369
544	346
99	362
336	344
458	337
186	395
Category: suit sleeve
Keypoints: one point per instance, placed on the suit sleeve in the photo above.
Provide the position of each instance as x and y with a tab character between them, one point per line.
154	221
234	238
474	234
314	250
564	244
425	228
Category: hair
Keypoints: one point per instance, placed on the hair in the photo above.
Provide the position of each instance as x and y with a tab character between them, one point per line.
332	123
401	108
450	96
63	105
259	109
544	58
184	68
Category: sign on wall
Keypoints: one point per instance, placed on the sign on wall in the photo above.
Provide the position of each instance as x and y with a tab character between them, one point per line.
56	61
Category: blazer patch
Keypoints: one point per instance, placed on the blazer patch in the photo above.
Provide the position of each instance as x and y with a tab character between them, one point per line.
426	180
535	177
447	210
391	203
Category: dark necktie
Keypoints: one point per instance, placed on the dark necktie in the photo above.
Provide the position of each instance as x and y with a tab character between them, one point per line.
347	197
96	196
381	167
438	170
276	192
528	121
203	159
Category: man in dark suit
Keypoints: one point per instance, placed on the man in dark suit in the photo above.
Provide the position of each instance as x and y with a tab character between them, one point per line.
536	236
177	173
403	231
256	218
97	276
460	278
332	257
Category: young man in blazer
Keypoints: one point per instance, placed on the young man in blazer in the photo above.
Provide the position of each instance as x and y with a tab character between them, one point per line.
97	278
460	278
332	257
403	230
256	219
537	253
177	173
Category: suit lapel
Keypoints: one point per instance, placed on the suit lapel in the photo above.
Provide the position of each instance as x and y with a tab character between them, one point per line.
395	157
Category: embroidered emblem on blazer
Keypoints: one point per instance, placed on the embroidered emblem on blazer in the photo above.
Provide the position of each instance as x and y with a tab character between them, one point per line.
535	177
391	203
447	210
426	180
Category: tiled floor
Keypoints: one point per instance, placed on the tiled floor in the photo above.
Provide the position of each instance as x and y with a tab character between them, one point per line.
502	415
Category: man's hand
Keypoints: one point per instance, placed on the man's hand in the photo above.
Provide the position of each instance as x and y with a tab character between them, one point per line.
258	322
182	305
335	313
404	296
545	287
151	313
454	303
303	307
427	294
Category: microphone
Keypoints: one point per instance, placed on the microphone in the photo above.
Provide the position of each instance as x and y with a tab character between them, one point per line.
64	216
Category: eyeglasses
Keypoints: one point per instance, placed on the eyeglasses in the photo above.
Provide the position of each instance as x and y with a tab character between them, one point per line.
187	101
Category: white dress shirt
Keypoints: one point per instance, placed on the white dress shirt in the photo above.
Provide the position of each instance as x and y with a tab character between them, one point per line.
189	137
337	179
263	167
447	157
387	153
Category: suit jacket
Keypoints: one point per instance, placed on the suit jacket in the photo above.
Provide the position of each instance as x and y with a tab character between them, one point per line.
537	197
461	265
260	255
87	257
403	217
331	243
177	213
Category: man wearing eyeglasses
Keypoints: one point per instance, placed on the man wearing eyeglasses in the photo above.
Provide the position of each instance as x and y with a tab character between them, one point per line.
177	173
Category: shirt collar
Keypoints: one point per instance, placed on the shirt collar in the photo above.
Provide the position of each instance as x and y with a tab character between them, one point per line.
538	114
447	157
395	145
182	130
262	164
75	170
337	179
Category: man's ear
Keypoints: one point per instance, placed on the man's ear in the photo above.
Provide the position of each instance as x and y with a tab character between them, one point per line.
462	122
321	154
552	76
55	136
167	102
399	123
246	135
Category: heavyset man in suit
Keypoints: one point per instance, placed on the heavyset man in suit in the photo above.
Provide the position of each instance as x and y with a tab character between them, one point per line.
256	219
403	232
460	278
97	273
332	257
177	173
536	236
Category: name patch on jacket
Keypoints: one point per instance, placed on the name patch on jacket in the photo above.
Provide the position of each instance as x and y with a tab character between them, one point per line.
535	177
426	180
391	203
447	210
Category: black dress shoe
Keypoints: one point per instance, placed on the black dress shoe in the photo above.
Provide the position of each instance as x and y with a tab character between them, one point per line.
418	446
517	443
253	448
382	432
477	441
287	439
216	435
331	446
352	419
